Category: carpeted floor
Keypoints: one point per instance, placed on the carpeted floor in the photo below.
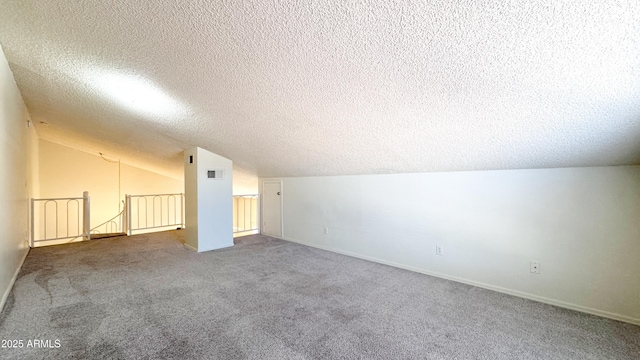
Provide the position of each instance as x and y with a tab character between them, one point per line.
147	296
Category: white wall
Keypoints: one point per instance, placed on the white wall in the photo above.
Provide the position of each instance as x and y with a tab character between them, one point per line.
581	224
67	172
17	154
209	202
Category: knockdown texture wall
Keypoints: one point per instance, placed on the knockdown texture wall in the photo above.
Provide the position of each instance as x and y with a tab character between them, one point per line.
16	158
580	224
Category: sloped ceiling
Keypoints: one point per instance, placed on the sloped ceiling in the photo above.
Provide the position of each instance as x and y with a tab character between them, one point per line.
326	87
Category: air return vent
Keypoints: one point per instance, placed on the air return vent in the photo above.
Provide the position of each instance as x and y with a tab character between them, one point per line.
215	174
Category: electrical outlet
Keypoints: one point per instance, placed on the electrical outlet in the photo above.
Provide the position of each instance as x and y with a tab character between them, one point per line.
326	231
438	250
535	267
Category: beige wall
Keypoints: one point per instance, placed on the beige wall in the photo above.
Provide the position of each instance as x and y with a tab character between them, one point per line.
581	224
67	172
244	182
17	154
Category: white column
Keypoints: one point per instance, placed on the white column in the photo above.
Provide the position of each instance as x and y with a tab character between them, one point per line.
208	200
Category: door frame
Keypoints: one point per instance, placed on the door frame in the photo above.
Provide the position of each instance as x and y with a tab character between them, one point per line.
262	205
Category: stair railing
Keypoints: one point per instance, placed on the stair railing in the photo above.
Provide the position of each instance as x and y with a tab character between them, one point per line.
60	218
154	211
245	213
112	225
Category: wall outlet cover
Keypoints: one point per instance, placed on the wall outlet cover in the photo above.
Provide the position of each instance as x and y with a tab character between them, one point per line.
535	267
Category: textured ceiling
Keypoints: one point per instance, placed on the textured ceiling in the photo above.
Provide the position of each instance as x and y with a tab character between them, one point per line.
334	87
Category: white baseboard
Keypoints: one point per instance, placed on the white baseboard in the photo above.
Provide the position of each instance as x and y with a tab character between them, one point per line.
524	295
5	296
189	247
245	233
217	247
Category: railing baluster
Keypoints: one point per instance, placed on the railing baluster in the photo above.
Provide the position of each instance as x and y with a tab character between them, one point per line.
43	209
55	202
160	206
77	216
169	197
128	205
86	215
244	204
33	222
153	216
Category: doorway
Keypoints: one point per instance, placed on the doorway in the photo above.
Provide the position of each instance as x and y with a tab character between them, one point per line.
272	208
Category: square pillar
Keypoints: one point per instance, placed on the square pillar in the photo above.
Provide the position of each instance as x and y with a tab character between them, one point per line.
208	200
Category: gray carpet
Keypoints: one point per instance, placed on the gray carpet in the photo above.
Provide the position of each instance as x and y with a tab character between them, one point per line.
146	296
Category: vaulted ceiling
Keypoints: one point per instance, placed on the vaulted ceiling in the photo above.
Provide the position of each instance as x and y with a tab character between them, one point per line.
293	88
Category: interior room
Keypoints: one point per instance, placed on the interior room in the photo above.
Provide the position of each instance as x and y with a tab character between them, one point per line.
325	179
